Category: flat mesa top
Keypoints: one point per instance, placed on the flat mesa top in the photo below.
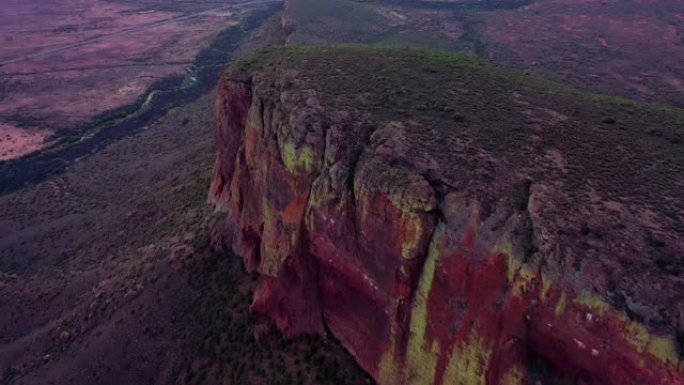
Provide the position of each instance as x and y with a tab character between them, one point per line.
605	175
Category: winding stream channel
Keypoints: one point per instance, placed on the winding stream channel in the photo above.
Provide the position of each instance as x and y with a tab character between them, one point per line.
162	96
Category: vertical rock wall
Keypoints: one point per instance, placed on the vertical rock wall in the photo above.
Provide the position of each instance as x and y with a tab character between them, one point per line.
421	283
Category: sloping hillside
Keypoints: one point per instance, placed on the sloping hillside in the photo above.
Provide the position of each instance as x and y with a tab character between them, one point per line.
627	48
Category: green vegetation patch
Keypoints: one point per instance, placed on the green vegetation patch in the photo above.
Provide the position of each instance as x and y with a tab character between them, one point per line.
455	98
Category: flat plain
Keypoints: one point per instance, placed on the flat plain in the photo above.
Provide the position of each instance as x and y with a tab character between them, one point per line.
64	62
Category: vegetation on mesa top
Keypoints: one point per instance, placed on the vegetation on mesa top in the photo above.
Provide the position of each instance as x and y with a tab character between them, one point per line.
402	79
456	97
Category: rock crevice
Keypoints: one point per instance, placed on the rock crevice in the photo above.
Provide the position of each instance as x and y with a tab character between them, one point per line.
423	282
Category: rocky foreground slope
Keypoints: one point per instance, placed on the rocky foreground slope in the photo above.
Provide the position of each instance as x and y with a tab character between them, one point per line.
451	222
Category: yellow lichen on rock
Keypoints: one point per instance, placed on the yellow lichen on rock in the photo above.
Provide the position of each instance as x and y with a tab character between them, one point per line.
634	333
504	247
412	225
413	229
520	276
422	354
524	281
663	348
296	159
561	305
469	361
592	302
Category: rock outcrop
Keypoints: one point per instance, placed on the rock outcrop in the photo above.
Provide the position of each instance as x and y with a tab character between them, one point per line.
512	235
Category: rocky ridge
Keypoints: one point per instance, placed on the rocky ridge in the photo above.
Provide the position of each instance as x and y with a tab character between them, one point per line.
451	222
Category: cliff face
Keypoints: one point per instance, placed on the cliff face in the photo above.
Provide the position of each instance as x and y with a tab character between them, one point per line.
432	256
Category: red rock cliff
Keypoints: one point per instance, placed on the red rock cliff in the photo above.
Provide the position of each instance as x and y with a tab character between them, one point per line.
427	271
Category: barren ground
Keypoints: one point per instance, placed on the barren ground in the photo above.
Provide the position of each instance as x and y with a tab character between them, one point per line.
628	48
63	62
633	49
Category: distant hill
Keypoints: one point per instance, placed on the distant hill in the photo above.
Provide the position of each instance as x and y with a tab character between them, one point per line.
626	48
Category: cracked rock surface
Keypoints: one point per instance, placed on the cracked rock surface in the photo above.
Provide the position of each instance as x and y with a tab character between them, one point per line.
452	222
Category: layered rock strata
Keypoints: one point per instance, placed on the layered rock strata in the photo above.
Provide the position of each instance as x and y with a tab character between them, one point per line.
435	259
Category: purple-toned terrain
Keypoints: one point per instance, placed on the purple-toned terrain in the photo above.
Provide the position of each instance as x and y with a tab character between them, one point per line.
63	62
392	192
